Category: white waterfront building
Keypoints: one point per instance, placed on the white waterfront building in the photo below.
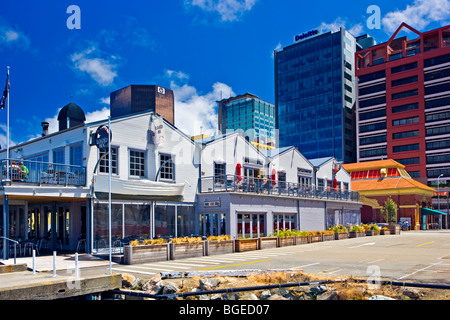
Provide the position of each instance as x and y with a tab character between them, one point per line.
164	184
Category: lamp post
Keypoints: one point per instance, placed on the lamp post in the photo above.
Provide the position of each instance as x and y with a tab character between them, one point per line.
439	201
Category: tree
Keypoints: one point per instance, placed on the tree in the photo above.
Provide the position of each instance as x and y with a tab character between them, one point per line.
389	211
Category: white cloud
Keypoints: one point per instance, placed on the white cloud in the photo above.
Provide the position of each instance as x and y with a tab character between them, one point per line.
195	113
418	15
97	115
355	30
105	100
177	74
229	10
12	36
101	67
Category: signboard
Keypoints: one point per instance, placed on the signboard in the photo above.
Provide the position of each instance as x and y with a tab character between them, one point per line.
161	90
209	204
101	138
307	35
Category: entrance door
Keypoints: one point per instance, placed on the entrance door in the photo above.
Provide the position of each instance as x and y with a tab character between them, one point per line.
250	225
63	226
213	224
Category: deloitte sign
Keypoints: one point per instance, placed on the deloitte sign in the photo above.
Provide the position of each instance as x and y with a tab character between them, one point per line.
307	35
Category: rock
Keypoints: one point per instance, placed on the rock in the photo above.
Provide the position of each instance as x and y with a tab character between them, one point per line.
265	295
412	293
216	296
154	285
380	297
248	296
137	284
318	290
170	288
208	284
127	280
277	297
328	296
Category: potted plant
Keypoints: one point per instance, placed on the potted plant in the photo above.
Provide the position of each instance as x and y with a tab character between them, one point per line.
302	237
389	213
186	247
285	237
356	231
316	236
340	232
328	235
384	231
372	230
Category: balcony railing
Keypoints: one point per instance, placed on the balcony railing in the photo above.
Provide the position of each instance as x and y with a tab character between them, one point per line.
25	171
230	183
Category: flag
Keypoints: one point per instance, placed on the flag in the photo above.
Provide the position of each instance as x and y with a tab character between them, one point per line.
5	93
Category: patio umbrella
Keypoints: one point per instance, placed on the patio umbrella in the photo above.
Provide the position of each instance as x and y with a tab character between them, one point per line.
274	177
238	171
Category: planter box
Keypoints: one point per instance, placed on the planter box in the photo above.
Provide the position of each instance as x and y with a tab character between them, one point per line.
186	250
242	245
372	232
301	240
384	232
340	235
355	234
286	241
219	247
315	238
328	237
145	253
394	228
269	242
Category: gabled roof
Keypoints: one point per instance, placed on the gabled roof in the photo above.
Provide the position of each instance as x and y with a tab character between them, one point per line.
275	152
319	161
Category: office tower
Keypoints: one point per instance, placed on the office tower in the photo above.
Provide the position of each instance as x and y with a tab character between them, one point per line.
255	118
315	94
139	98
403	109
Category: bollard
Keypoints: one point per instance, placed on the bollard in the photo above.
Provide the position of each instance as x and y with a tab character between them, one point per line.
34	261
76	266
54	263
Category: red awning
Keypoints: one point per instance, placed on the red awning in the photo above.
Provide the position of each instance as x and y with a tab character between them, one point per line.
274	176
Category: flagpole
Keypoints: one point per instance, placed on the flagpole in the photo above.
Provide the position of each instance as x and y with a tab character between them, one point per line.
109	191
7	132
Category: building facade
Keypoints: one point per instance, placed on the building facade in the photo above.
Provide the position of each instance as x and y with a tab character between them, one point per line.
140	98
403	109
163	184
253	117
315	95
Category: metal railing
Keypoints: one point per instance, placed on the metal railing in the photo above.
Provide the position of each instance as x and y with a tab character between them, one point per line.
231	183
5	255
27	171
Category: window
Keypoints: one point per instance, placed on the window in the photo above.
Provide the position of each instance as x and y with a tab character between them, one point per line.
373	139
406	134
404	67
409	161
437	103
437	116
347	76
167	167
399	82
58	156
104	163
438	131
373	152
372	114
443	144
137	163
407	147
400	122
372	76
405	94
437	89
372	89
405	107
372	102
437	74
320	184
219	172
414	174
373	127
436	61
76	155
442	158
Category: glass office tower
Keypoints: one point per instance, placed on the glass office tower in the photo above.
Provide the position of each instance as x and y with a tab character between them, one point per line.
315	95
254	117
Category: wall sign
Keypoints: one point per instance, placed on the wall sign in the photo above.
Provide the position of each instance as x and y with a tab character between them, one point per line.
307	35
161	90
209	204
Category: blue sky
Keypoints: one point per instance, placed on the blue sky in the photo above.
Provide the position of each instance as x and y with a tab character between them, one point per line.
202	49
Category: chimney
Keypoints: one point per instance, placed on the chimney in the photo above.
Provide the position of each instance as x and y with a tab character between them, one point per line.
44	128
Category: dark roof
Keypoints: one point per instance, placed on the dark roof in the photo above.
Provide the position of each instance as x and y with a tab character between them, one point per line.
72	111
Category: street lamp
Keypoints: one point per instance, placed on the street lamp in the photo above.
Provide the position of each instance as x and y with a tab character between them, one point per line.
439	201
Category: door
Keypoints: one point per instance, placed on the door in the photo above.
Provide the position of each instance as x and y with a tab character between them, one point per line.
213	224
63	226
